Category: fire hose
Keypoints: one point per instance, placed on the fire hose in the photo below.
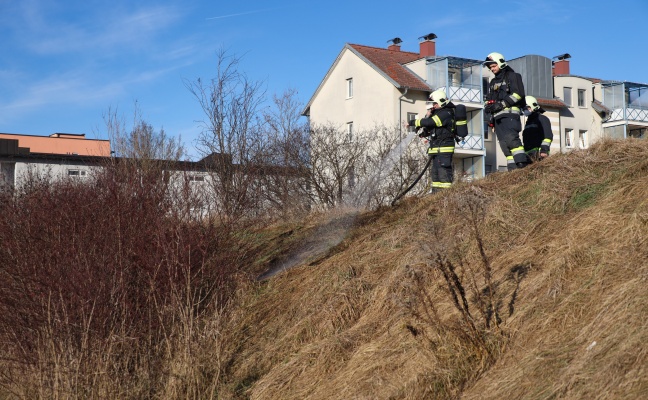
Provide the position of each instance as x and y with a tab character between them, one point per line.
401	194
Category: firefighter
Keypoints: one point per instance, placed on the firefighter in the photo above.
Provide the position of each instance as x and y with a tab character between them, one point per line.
437	127
537	135
505	102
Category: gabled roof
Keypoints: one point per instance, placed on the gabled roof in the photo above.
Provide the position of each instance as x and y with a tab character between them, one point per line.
388	63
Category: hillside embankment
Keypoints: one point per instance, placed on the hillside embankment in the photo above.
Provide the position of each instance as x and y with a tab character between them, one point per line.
529	284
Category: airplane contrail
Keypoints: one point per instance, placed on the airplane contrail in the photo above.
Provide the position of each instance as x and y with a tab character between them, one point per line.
239	14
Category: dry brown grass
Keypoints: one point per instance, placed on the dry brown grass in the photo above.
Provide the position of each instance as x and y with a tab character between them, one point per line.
563	266
523	285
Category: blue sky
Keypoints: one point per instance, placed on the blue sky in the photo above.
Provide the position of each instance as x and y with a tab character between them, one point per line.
64	64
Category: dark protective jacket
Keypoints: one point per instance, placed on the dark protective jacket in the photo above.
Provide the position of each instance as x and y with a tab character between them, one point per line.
439	127
507	87
537	133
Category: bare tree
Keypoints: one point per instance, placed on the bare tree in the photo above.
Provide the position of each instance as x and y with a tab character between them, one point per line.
141	141
232	140
288	152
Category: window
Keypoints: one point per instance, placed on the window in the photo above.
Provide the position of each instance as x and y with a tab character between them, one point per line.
487	128
581	98
567	96
569	139
349	88
582	139
451	78
350	131
485	87
196	178
352	177
410	117
76	172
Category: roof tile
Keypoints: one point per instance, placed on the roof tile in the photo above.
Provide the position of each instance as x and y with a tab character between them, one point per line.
391	63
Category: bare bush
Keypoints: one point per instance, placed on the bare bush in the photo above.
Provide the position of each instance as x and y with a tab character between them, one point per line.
464	283
367	170
98	278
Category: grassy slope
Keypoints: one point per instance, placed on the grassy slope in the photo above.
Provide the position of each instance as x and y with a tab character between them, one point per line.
566	243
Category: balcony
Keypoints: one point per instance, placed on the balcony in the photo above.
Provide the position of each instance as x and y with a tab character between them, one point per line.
462	80
628	104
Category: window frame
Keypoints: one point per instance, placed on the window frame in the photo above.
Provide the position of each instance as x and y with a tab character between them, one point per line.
76	173
582	92
569	138
411	116
351	177
350	132
583	139
567	96
196	177
451	77
349	88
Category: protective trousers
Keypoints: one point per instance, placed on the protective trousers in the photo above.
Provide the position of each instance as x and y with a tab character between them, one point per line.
442	172
507	130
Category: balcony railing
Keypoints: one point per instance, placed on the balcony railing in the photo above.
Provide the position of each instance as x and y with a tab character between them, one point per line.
471	142
630	114
465	93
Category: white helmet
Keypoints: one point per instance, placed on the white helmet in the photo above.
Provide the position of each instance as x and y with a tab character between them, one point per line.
532	102
439	97
495	58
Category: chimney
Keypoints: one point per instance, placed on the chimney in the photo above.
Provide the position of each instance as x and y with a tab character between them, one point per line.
427	45
395	44
561	65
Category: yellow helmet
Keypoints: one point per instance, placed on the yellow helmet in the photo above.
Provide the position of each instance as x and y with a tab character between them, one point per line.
495	58
532	102
439	97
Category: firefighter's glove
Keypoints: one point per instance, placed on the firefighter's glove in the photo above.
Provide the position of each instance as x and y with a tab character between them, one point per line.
423	133
494	108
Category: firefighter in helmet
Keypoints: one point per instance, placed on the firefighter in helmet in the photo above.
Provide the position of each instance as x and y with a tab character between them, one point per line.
537	135
437	128
505	102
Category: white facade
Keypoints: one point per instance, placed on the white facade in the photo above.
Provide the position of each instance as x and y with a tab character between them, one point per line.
579	123
15	173
355	92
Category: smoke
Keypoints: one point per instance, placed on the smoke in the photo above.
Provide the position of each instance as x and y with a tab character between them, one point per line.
369	186
329	235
